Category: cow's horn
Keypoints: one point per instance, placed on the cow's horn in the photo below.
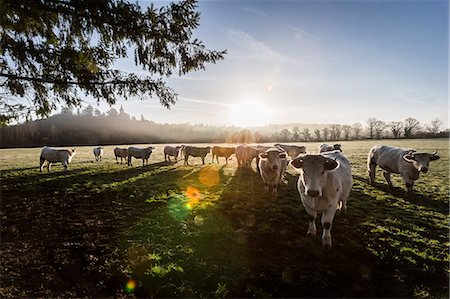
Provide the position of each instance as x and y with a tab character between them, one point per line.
435	152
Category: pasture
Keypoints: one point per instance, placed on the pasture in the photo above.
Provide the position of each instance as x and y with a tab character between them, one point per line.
168	230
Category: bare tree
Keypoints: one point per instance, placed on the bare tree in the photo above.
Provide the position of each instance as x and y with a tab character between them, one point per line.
411	125
347	129
317	133
295	134
435	126
379	128
396	128
325	133
357	128
285	133
306	134
335	131
371	123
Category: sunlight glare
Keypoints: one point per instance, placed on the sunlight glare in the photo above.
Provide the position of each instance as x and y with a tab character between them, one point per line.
250	113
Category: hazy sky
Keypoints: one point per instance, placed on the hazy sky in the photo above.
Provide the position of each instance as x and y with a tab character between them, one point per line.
313	62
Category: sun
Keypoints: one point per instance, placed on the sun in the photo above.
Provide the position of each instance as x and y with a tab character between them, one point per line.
250	113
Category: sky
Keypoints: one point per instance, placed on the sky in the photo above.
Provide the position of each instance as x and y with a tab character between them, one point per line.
317	62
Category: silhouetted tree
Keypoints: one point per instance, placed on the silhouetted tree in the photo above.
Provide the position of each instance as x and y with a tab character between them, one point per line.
47	51
89	111
306	134
435	126
379	128
285	134
317	133
410	126
396	128
371	124
325	133
357	128
296	134
112	112
346	129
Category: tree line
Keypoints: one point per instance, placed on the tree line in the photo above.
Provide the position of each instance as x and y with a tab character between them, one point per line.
90	126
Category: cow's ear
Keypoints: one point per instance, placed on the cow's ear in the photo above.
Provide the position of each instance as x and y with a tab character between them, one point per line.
282	155
262	156
408	158
297	162
74	149
434	157
330	164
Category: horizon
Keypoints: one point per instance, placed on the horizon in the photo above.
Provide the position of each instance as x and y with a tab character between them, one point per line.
310	62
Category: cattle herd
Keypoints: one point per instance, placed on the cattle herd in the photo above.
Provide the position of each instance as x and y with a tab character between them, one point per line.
324	182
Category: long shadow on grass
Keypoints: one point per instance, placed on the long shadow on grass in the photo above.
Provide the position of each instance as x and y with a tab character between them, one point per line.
421	200
55	244
282	262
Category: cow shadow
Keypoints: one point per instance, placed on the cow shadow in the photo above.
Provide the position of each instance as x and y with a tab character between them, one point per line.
417	198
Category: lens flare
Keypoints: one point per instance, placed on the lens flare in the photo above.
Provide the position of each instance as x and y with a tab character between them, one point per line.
209	176
193	195
130	286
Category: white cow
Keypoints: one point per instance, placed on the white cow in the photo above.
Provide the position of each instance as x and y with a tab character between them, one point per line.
98	153
120	152
406	162
324	185
139	153
53	155
328	148
195	151
272	164
171	151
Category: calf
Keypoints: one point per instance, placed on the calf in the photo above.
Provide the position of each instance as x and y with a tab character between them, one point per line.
219	151
406	162
53	155
171	151
139	153
292	150
272	164
120	152
324	184
195	152
98	153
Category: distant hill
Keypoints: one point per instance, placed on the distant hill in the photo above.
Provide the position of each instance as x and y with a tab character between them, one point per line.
84	128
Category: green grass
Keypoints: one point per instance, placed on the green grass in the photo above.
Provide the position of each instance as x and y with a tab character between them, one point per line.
209	231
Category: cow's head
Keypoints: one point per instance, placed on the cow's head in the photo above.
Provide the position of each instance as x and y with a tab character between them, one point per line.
313	172
420	161
337	147
272	158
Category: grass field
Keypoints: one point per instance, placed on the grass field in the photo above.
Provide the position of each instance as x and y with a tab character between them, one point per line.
168	230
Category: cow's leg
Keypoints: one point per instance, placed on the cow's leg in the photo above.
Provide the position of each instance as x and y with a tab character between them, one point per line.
41	163
65	164
312	215
409	185
371	167
266	188
387	176
129	161
217	158
274	190
49	166
327	222
203	160
186	157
